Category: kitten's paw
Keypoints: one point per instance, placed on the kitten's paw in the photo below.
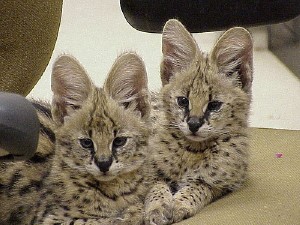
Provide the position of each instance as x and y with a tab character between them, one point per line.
127	221
160	215
181	211
133	215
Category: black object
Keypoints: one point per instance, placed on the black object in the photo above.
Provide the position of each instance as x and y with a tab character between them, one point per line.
207	15
19	127
284	42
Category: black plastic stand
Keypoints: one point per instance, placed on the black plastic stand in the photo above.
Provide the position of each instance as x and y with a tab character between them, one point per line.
19	127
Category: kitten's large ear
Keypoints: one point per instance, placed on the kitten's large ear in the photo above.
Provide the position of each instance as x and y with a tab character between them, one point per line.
71	86
233	55
179	49
127	83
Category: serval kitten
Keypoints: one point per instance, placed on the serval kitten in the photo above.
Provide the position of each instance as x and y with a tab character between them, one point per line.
200	145
101	139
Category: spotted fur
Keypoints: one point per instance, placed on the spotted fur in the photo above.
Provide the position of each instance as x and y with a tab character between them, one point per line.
200	145
99	144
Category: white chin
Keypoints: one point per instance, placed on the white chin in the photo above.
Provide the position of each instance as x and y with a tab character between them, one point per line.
105	178
98	175
195	137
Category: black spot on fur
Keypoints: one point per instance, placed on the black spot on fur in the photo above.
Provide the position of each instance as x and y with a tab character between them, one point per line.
17	215
75	197
2	187
226	139
65	207
47	211
86	201
166	142
48	132
65	142
163	176
173	187
193	150
213	174
175	136
226	154
34	185
14	179
217	182
39	158
25	190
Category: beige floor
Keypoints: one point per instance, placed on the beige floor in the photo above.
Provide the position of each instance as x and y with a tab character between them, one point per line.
95	32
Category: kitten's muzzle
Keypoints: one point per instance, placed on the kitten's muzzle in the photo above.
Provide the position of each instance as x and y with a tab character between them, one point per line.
194	124
104	164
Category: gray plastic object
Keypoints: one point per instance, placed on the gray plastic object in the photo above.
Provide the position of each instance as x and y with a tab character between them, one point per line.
19	127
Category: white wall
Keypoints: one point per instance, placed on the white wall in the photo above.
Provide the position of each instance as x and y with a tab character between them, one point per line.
95	32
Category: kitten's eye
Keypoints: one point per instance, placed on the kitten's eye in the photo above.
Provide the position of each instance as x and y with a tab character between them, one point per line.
214	106
86	143
183	102
119	142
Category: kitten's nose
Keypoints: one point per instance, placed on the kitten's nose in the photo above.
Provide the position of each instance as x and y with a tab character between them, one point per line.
104	165
194	124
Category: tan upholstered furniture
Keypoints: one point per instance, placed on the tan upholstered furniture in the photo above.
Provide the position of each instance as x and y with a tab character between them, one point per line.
28	32
272	194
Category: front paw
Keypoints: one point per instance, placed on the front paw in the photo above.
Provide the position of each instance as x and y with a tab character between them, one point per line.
159	214
181	210
127	221
133	215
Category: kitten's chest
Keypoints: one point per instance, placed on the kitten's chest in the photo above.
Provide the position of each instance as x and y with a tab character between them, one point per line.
176	165
86	199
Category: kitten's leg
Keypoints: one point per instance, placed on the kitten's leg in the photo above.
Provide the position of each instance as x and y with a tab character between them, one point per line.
190	199
158	205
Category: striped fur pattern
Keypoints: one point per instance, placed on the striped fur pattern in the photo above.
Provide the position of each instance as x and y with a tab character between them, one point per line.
200	144
98	145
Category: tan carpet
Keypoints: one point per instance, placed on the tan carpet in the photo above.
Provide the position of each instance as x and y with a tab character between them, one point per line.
272	193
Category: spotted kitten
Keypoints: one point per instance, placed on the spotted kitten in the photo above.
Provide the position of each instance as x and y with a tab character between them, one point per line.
100	146
200	148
